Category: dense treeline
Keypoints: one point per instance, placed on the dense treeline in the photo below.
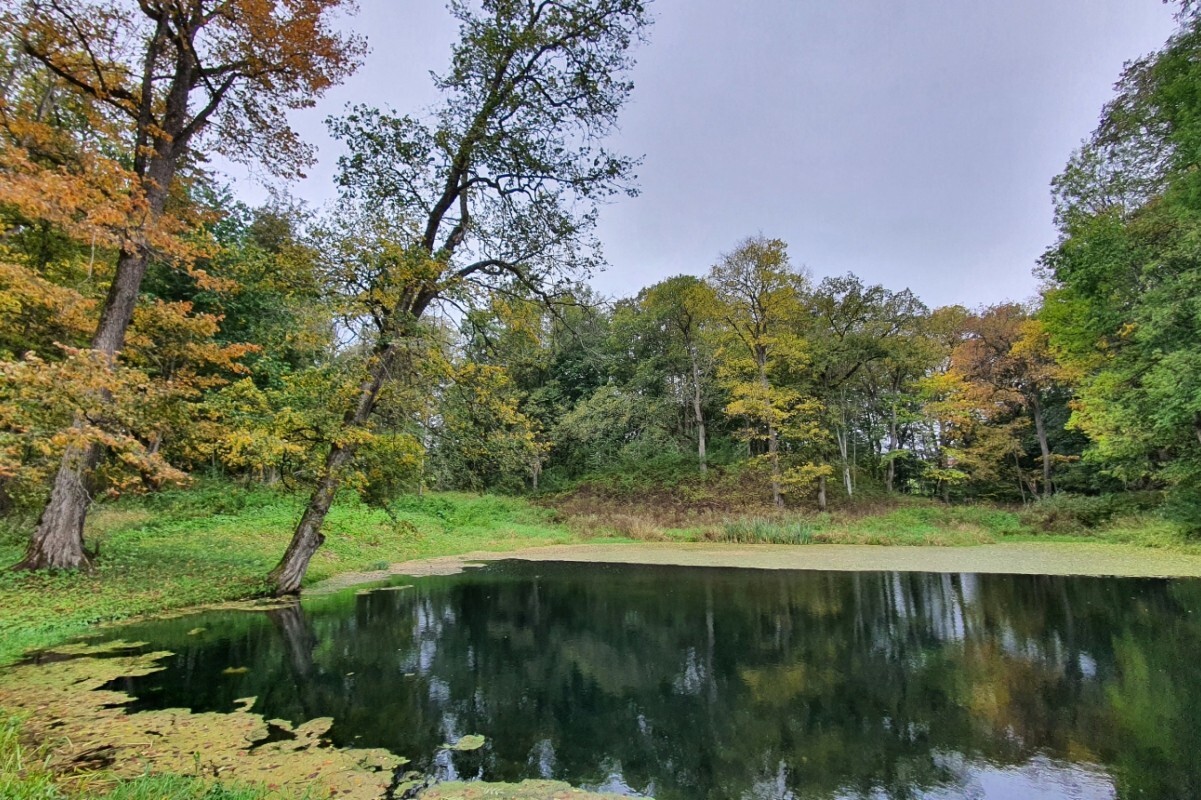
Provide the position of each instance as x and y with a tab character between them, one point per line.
434	328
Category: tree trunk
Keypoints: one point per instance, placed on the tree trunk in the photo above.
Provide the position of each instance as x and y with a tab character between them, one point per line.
1021	478
1041	429
57	542
842	435
697	411
773	451
890	474
821	493
289	573
773	436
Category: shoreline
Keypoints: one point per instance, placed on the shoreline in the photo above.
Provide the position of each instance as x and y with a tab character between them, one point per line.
1016	558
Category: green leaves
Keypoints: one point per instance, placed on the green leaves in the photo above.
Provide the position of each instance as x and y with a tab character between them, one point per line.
1125	311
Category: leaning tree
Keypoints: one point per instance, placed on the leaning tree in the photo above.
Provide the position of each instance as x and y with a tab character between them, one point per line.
496	189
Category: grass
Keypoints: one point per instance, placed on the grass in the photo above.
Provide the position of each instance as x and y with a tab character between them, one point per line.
765	531
893	521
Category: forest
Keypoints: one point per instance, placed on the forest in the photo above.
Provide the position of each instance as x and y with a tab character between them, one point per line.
434	329
205	399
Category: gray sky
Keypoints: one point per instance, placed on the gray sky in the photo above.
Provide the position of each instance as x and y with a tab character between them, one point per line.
908	141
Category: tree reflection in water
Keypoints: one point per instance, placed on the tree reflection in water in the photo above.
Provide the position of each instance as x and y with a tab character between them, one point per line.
722	683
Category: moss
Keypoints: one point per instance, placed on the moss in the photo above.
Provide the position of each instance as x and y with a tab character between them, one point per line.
85	728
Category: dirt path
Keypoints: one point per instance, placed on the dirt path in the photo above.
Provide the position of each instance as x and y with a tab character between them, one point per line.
1025	558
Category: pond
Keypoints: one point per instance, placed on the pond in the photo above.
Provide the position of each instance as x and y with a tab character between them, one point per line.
729	683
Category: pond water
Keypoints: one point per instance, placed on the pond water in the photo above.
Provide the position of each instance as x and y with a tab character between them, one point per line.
725	683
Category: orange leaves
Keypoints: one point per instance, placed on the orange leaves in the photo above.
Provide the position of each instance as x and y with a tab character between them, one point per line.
86	194
137	407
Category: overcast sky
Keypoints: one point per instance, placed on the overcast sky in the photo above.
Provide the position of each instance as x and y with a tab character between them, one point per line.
908	141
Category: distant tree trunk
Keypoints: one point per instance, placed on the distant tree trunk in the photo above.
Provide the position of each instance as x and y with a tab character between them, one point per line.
821	493
1040	428
1021	479
57	542
773	452
773	437
697	409
842	435
288	575
891	473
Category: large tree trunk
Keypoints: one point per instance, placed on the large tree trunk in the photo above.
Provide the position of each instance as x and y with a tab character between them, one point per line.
288	574
57	542
1040	428
697	410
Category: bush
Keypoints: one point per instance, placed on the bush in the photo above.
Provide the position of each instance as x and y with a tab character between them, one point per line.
1069	513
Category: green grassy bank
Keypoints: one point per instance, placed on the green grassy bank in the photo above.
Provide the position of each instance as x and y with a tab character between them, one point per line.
216	543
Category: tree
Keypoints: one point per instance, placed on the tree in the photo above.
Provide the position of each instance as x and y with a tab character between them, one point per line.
759	297
1006	354
169	75
1123	306
488	191
851	327
678	307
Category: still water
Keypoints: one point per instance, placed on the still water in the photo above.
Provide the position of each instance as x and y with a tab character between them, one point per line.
730	684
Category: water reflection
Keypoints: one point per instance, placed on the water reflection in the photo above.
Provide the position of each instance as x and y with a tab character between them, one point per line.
695	683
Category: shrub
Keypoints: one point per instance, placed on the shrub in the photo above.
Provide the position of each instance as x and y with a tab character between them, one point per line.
1069	513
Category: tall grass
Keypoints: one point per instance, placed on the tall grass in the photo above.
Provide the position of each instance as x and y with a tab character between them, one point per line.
760	530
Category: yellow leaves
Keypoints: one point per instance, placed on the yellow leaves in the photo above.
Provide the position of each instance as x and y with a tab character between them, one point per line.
801	477
175	344
47	407
35	311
